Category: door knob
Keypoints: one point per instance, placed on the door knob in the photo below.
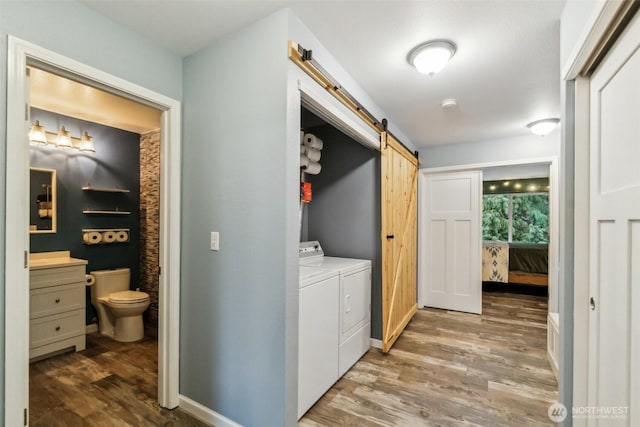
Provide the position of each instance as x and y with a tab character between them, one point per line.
592	303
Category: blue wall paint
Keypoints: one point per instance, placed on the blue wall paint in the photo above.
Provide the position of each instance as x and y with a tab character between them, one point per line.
494	150
233	330
116	163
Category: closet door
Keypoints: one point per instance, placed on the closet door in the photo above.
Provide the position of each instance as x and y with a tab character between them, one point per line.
399	237
614	317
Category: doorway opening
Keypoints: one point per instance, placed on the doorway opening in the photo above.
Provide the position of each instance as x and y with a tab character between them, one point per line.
23	55
545	319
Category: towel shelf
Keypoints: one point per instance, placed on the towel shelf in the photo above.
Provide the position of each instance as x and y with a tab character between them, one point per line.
105	189
116	212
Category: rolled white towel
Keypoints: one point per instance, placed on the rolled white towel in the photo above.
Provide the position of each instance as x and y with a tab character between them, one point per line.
314	155
304	161
312	141
313	168
303	148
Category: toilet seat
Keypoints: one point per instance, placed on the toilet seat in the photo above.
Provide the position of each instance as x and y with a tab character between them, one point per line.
128	297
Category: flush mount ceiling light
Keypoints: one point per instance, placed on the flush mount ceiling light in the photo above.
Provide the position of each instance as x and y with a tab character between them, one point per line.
449	104
543	127
432	56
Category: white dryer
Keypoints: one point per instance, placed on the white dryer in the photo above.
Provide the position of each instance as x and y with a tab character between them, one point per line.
355	300
318	362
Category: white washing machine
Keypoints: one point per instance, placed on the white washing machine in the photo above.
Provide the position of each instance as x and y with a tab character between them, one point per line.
355	301
318	338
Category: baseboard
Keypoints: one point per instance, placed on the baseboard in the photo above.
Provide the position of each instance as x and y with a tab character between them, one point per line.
93	327
205	414
376	343
553	340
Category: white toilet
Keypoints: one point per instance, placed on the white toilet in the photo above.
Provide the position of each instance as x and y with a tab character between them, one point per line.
119	309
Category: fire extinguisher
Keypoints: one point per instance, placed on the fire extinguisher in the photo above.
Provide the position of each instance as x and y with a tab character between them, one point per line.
305	192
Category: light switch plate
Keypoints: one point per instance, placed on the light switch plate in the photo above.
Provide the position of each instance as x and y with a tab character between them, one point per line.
215	241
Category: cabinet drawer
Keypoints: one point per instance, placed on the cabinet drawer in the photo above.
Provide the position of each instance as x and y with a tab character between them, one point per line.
56	276
47	330
57	299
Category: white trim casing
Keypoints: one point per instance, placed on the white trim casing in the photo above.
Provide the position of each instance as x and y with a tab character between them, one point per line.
205	414
553	341
375	343
594	29
338	115
16	279
20	53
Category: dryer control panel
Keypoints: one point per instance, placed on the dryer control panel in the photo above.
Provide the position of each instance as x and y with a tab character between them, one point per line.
310	249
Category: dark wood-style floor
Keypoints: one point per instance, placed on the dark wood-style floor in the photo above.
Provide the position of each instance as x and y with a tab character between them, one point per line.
108	384
452	369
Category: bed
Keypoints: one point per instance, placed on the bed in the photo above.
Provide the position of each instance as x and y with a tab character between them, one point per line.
521	263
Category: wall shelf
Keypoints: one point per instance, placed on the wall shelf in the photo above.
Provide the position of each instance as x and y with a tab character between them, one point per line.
93	212
105	189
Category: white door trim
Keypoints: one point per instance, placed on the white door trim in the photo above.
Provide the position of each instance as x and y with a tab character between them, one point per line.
16	369
554	218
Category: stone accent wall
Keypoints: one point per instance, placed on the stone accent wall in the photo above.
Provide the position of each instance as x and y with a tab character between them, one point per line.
150	224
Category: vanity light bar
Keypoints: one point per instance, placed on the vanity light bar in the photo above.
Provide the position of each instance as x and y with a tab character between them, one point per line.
38	136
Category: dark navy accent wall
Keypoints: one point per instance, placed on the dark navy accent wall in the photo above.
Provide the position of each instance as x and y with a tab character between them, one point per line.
116	163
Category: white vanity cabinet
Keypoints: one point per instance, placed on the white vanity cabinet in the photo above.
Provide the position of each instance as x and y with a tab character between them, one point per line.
57	285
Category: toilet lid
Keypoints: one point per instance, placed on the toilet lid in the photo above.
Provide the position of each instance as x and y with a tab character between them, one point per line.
128	296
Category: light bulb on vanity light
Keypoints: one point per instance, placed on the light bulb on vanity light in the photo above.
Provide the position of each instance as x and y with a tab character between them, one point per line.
64	139
86	143
37	134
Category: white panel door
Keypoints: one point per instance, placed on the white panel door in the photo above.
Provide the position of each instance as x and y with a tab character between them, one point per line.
451	241
614	284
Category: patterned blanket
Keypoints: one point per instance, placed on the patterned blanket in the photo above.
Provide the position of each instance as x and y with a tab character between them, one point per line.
495	261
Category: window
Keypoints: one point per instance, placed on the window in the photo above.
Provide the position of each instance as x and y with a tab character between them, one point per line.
516	217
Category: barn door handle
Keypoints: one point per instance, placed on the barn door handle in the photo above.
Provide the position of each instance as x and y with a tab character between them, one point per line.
592	303
390	236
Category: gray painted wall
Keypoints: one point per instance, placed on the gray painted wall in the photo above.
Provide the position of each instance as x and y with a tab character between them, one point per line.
345	212
110	47
496	150
233	306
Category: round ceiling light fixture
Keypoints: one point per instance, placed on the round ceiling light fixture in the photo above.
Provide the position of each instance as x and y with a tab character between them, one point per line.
432	56
543	127
449	103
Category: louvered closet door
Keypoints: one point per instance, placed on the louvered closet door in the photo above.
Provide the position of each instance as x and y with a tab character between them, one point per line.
614	285
399	237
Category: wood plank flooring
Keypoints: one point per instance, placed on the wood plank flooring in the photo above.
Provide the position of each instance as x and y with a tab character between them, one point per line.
452	369
108	384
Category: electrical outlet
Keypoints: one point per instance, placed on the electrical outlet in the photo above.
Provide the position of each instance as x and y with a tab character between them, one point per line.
215	241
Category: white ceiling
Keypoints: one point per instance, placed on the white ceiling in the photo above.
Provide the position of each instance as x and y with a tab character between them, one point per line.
505	73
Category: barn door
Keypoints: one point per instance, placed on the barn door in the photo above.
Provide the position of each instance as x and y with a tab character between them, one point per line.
399	235
614	301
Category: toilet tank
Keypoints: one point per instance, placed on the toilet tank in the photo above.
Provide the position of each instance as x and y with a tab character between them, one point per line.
109	281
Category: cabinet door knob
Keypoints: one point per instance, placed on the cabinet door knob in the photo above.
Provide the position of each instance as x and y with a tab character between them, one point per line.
390	236
57	300
592	303
57	328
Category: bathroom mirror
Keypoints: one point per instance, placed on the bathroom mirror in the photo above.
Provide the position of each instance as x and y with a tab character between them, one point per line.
42	201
